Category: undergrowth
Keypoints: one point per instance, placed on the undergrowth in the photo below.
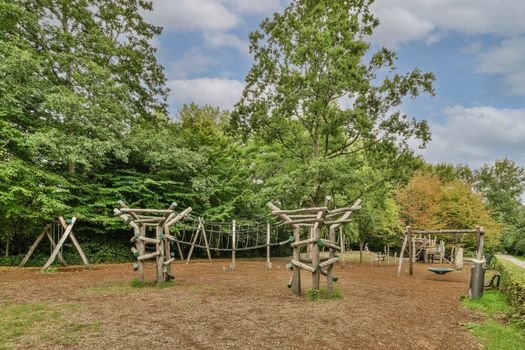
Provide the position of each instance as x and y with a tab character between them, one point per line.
322	294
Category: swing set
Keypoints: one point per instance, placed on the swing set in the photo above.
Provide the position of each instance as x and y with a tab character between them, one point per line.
411	238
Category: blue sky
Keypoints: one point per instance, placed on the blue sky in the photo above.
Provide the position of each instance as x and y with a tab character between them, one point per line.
476	48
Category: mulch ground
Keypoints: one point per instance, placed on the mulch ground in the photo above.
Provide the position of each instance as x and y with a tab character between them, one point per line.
251	307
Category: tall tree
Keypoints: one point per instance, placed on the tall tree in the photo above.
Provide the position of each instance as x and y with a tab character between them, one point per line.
310	61
101	71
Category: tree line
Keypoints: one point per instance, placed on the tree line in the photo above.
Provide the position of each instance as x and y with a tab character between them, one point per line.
84	123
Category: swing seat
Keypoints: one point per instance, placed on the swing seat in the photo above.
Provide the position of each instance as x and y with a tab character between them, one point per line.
440	270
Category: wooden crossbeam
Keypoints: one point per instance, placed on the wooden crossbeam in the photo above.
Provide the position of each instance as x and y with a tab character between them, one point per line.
60	243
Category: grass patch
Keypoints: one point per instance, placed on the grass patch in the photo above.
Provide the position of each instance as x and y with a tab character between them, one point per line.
496	336
133	285
163	284
492	302
495	332
322	294
197	287
522	258
50	270
40	324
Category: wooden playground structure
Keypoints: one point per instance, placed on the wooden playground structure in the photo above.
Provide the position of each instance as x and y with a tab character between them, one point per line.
313	219
421	242
57	233
140	219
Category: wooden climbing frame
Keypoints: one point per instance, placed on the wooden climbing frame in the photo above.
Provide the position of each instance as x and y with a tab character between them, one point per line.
161	220
313	219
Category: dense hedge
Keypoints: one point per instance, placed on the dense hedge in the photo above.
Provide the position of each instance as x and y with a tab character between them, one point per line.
513	285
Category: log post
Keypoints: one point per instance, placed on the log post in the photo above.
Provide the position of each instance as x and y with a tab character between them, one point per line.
342	244
331	255
480	235
141	248
159	259
234	246
193	243
296	275
35	244
268	231
201	220
410	252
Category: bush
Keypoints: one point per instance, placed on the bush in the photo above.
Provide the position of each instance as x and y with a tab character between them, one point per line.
513	285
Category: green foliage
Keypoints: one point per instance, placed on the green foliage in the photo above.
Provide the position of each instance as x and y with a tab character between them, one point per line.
513	285
502	184
492	302
322	294
496	336
309	145
313	294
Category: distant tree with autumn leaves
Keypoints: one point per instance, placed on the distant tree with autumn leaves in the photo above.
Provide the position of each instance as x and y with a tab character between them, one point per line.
430	202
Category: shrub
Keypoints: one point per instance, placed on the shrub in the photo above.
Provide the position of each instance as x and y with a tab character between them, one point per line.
513	285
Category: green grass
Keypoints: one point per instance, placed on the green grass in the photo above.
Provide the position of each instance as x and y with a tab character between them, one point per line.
23	324
139	284
520	257
497	336
50	270
492	302
495	333
322	294
133	285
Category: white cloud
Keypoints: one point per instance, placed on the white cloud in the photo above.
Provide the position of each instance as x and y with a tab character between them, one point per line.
219	92
219	39
186	15
477	135
407	20
508	60
222	15
254	6
398	26
191	62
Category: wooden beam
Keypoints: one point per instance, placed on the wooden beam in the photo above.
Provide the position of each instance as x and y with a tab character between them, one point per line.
35	244
56	251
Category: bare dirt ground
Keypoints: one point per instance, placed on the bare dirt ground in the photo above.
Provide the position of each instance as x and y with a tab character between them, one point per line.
251	308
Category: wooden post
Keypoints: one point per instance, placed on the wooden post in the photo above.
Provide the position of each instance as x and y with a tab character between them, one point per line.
410	253
193	242
331	255
342	244
296	275
315	258
35	244
159	259
480	239
53	246
168	255
401	253
141	248
268	231
75	243
234	246
201	220
56	251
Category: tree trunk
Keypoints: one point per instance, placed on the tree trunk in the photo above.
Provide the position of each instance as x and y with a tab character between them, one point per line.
7	248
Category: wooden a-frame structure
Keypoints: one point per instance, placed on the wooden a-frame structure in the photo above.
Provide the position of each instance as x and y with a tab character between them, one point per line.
409	242
62	236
